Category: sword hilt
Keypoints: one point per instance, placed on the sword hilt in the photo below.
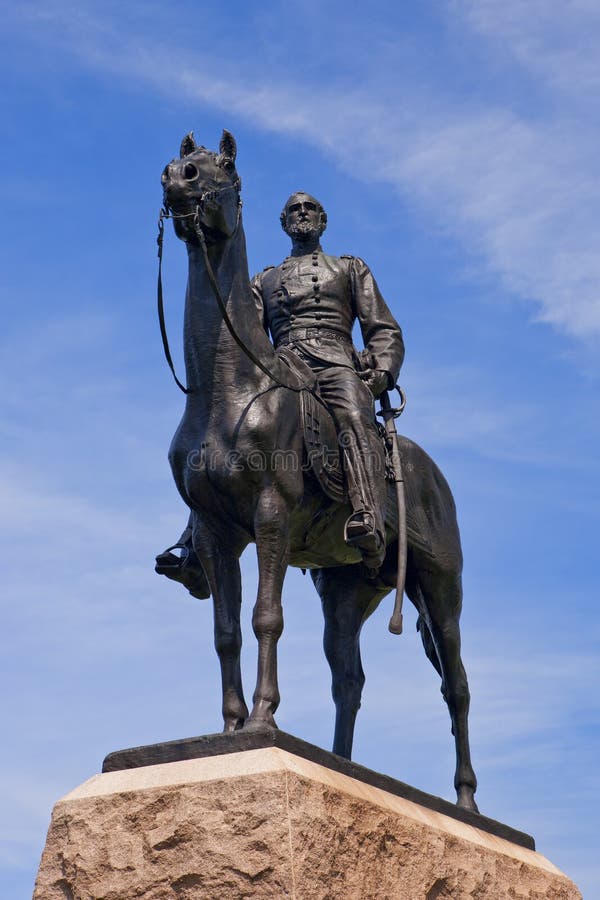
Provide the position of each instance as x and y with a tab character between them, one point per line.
388	411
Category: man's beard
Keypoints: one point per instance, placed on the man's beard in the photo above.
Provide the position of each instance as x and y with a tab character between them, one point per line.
303	231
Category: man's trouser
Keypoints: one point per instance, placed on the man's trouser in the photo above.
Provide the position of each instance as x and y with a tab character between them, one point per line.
351	404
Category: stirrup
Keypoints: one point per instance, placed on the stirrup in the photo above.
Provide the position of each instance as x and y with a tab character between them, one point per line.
186	569
360	527
167	561
360	532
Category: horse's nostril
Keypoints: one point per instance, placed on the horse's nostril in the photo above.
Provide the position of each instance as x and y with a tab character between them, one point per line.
190	172
165	175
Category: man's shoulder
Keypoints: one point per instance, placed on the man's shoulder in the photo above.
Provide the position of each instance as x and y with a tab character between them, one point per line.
342	260
347	261
357	260
271	268
273	271
256	279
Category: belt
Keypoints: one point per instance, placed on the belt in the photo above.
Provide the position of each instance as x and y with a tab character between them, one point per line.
304	334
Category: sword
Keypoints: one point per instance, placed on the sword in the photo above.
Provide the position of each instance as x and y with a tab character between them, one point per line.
389	414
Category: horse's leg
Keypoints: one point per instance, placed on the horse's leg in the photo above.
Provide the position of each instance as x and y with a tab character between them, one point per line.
438	597
222	570
271	529
347	601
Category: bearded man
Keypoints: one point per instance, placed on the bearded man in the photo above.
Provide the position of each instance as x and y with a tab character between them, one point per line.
310	303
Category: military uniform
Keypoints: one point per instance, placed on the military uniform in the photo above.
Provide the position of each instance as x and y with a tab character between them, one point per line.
311	303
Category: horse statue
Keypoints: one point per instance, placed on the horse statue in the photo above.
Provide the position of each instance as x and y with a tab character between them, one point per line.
232	460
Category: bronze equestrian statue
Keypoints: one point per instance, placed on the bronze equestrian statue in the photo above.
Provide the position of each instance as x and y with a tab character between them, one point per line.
257	457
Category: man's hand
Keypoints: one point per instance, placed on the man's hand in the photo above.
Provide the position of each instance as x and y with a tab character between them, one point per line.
376	380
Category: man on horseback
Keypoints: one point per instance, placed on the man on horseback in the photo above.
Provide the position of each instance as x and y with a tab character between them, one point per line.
310	303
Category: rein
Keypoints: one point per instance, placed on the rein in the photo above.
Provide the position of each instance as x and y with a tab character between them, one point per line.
195	215
159	294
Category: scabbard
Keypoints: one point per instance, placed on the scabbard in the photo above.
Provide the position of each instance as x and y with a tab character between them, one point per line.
395	624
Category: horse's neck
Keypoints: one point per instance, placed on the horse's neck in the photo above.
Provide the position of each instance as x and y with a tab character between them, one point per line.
216	367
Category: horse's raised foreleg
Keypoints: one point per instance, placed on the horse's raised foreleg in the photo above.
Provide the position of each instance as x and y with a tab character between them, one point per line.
222	570
271	524
439	603
347	601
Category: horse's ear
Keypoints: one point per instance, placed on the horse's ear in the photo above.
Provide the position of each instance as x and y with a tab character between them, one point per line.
188	145
228	146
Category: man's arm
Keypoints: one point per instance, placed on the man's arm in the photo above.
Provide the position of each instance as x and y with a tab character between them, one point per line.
381	333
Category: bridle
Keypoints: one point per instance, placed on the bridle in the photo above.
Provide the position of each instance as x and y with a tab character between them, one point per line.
194	215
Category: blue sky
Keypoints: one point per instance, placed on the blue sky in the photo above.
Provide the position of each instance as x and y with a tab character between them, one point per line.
454	146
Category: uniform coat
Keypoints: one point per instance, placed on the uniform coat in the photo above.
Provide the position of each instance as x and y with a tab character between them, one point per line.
329	293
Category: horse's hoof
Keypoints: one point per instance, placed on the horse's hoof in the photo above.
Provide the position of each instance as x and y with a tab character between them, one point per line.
233	725
255	726
466	800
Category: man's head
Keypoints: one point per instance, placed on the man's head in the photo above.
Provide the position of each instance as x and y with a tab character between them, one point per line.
303	218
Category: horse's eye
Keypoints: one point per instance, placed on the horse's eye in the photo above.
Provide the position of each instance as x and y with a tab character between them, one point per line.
190	172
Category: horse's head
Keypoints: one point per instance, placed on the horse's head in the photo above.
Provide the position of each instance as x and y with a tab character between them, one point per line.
201	190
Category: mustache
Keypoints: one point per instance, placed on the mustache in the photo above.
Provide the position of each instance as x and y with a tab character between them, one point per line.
303	228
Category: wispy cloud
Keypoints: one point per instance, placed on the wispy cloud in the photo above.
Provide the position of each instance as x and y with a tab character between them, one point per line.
519	190
556	42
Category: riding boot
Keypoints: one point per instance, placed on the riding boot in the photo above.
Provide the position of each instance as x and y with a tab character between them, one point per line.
367	492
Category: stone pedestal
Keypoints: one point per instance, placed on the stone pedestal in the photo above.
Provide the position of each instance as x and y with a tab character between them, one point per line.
267	823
